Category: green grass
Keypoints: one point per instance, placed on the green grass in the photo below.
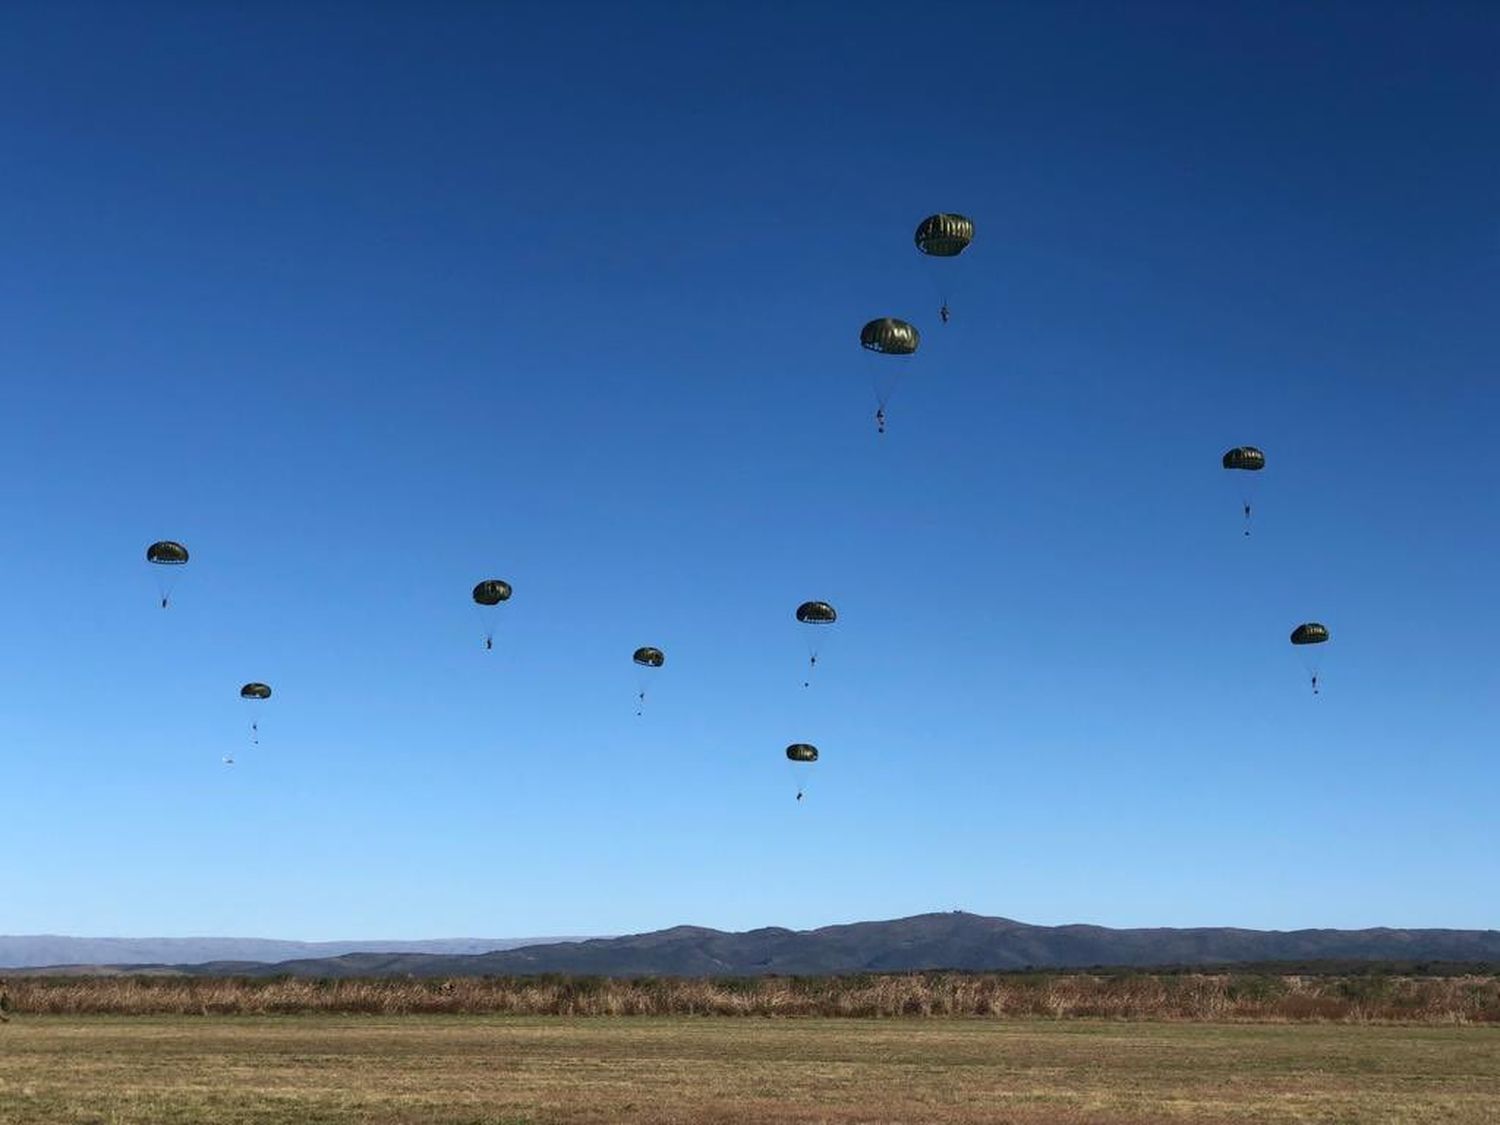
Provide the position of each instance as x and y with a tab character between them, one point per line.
466	1070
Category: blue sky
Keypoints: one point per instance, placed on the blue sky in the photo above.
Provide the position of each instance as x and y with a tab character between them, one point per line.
366	303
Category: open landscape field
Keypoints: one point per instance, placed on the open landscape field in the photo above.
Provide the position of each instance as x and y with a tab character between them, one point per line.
490	1070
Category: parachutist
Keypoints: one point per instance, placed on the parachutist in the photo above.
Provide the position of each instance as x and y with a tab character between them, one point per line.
944	314
489	643
1315	684
164	603
880	420
799	795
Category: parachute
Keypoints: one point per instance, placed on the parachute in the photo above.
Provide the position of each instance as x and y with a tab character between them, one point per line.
254	692
887	336
1247	459
491	592
647	658
814	613
1311	633
940	236
944	235
166	552
801	753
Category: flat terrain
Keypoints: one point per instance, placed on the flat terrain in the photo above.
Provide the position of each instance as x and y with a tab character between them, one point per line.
487	1070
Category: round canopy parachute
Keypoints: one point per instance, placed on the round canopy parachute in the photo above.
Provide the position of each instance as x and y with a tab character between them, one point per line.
650	657
944	235
889	336
167	553
816	613
1310	633
492	591
255	691
1245	457
801	752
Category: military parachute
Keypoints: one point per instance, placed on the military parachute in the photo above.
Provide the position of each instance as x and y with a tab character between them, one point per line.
646	659
255	692
801	754
489	593
1310	633
941	236
887	336
1245	459
816	614
170	555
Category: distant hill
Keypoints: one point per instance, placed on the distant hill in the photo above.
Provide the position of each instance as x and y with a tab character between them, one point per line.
48	949
927	941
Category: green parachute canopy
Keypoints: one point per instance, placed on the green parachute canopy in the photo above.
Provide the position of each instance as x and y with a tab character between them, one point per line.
167	553
801	752
816	613
1310	633
650	657
889	336
1245	457
944	235
255	691
492	591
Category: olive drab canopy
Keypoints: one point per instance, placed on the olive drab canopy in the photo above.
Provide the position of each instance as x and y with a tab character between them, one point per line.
944	235
492	591
801	752
255	691
1245	457
889	336
816	613
167	553
1309	634
650	657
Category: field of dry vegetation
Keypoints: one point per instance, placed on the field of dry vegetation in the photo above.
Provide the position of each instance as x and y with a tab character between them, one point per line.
528	1070
1185	996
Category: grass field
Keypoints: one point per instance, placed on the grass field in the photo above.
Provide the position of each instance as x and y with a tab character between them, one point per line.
486	1070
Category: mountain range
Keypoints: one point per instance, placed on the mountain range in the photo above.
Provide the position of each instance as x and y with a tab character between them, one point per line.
926	941
51	949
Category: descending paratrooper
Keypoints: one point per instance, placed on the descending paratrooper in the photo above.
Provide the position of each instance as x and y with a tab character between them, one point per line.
1245	458
166	553
489	593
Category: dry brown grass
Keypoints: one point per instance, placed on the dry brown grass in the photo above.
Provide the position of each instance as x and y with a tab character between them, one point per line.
1189	996
461	1070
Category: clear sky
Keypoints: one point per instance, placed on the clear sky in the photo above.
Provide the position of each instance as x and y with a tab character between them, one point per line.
366	303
